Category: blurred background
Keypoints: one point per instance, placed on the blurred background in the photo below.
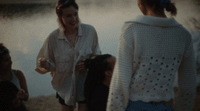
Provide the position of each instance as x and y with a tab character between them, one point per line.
25	24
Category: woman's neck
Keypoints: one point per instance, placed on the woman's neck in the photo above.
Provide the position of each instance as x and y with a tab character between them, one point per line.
158	14
71	31
107	82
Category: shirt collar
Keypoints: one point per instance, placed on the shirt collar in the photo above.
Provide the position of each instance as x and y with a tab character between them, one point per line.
155	21
62	35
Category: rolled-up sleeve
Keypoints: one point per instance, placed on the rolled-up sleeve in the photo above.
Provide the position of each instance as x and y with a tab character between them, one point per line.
46	52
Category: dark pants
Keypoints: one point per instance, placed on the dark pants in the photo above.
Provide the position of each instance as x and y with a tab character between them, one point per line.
62	101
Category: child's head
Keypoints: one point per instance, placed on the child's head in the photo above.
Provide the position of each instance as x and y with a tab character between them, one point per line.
8	92
67	12
5	59
101	67
157	6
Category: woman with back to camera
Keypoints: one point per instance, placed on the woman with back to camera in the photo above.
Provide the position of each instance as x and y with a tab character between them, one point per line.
97	83
152	49
63	54
14	76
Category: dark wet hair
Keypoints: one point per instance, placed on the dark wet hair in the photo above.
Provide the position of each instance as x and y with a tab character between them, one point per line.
3	51
64	4
8	93
170	7
96	73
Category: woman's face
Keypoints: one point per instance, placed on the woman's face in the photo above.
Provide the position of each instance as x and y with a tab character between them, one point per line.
111	61
6	63
70	17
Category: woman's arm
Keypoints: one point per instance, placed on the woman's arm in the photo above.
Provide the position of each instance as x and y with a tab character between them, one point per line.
44	61
24	89
119	89
187	80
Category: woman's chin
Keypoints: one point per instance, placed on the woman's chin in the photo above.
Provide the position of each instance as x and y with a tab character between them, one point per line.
72	27
9	69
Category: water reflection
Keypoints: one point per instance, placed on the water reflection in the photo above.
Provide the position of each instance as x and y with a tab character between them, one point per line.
23	10
24	27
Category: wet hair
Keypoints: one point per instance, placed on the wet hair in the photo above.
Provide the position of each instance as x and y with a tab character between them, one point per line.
64	4
8	93
3	51
170	7
96	73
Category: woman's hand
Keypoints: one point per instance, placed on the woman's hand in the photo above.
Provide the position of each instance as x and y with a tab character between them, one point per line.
81	67
22	94
43	63
17	101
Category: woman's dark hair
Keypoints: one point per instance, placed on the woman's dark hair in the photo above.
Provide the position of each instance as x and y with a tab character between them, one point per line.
156	5
96	73
8	93
64	4
3	51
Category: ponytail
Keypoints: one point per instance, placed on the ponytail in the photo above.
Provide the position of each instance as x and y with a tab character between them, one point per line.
160	5
172	9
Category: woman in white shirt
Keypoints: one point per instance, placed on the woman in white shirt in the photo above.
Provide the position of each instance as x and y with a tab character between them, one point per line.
152	49
63	54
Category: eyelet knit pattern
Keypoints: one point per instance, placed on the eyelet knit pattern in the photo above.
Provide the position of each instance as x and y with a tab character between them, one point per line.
149	58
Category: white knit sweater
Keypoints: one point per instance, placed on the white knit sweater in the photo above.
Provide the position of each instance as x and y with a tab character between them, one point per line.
151	51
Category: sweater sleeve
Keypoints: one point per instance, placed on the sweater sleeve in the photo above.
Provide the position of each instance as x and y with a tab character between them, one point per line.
187	81
119	89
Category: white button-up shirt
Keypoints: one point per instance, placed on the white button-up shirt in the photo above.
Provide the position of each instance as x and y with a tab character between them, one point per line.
63	58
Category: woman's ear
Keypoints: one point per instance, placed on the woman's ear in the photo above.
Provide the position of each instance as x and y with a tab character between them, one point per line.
108	73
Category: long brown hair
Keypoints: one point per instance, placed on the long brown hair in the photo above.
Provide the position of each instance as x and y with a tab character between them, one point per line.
96	73
61	5
3	51
157	7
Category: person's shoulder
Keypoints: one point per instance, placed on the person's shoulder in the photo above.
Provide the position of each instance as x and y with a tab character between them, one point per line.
87	26
132	21
19	74
52	36
127	26
129	23
185	30
186	33
54	33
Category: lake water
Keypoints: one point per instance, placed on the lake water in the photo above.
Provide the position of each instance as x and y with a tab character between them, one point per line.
24	34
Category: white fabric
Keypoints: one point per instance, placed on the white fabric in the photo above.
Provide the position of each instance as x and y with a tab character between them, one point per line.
152	51
15	80
67	81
